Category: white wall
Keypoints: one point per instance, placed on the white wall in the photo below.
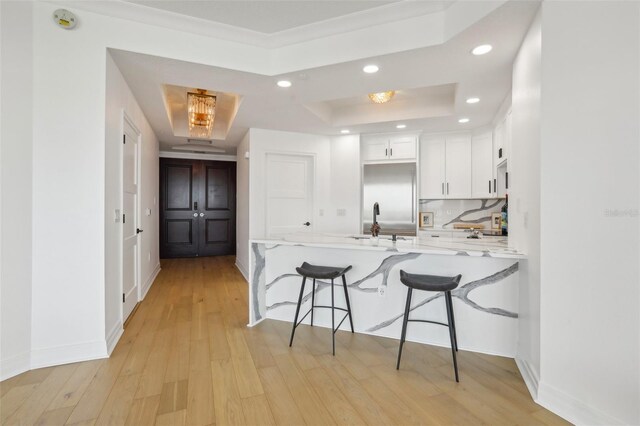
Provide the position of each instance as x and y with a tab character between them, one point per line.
345	186
270	141
242	207
119	100
524	197
16	138
589	197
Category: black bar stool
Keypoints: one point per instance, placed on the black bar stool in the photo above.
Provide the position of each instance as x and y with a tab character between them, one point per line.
322	272
431	283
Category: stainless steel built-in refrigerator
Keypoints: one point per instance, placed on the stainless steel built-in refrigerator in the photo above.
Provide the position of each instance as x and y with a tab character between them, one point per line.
393	187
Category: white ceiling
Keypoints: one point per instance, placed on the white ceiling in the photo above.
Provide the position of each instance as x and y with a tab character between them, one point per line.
271	16
413	73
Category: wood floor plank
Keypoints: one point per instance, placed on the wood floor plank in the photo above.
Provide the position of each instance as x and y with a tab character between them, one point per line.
143	411
282	404
187	358
226	397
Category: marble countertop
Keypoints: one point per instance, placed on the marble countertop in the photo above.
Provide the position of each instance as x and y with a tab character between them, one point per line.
489	247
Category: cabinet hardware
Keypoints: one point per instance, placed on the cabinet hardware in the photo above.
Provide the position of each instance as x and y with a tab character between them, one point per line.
201	214
307	223
500	153
122	297
391	152
386	152
195	205
447	188
124	217
138	230
442	188
495	185
506	180
489	186
124	139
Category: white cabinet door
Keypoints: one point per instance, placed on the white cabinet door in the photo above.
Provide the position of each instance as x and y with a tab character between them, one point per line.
482	166
499	135
432	163
458	166
402	148
375	149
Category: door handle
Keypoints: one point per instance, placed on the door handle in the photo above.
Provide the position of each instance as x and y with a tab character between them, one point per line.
195	215
201	214
138	230
307	223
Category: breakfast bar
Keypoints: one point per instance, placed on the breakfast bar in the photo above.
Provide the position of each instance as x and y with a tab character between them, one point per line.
485	302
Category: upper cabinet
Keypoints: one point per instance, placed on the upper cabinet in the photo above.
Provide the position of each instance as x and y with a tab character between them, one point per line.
445	166
502	139
482	172
388	148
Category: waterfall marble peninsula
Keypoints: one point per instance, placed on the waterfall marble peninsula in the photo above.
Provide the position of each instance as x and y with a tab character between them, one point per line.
485	302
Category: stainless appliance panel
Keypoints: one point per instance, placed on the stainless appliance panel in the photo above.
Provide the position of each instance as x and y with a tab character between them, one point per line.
393	186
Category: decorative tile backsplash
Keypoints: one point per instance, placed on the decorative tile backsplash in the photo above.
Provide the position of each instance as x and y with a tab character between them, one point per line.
448	212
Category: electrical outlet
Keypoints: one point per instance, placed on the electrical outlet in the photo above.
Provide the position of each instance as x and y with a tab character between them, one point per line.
382	291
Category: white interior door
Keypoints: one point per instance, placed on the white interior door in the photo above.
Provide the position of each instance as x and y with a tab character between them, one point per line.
130	261
289	194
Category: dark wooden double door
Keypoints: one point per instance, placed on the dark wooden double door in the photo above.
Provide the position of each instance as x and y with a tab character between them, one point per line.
197	208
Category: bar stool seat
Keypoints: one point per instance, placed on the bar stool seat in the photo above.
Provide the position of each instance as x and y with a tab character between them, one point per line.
321	272
317	272
433	283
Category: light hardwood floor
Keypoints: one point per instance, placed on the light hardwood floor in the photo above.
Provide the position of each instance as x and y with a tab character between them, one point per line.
187	357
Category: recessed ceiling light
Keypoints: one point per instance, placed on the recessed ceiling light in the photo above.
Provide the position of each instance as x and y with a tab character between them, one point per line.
482	49
370	69
344	131
284	83
401	126
473	100
463	120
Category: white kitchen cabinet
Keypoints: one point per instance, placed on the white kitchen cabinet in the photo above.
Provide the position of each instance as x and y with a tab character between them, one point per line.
445	166
482	171
388	148
432	171
458	166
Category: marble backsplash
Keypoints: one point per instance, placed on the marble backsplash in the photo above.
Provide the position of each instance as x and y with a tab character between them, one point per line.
448	212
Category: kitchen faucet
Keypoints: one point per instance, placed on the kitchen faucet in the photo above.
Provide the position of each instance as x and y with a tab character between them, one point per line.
375	228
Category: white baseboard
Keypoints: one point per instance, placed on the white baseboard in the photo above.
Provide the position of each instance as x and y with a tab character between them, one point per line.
66	354
530	376
114	336
571	409
15	365
242	270
149	282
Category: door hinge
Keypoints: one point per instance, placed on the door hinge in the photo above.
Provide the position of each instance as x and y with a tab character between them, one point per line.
122	297
124	216
124	138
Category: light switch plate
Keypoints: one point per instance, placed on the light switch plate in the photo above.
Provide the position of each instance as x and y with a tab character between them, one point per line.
116	218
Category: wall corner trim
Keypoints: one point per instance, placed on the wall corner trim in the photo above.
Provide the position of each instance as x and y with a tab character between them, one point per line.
15	365
114	336
530	376
66	354
572	409
242	270
147	285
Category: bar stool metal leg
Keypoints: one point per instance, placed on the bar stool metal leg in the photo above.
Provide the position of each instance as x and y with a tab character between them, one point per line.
295	320
404	325
333	320
452	336
346	297
453	320
313	299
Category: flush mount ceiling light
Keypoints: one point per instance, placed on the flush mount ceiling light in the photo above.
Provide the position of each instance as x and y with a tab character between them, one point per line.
370	69
482	49
344	131
382	97
401	126
201	109
463	120
284	83
473	100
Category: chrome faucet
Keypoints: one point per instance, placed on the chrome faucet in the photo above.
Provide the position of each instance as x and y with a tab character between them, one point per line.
376	211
